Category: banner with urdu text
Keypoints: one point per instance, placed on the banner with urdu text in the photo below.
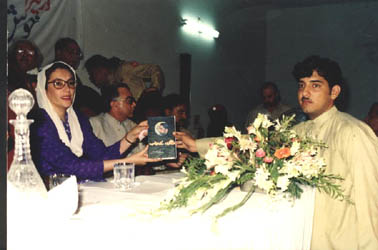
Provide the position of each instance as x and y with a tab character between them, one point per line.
44	22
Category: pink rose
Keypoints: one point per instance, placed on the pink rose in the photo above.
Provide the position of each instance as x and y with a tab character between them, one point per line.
268	159
260	153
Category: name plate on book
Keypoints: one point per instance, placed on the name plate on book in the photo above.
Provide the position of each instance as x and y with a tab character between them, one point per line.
161	142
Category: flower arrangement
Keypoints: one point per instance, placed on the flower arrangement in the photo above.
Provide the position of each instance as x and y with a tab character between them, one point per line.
272	156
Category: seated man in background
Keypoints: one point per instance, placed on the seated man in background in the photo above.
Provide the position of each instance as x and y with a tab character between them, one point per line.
136	74
149	104
372	118
87	100
23	57
113	125
271	106
99	69
67	50
175	105
103	71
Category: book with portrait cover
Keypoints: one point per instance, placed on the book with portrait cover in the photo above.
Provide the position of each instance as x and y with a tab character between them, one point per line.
161	142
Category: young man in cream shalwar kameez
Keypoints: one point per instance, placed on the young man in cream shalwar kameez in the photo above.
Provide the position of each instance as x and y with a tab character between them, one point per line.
352	153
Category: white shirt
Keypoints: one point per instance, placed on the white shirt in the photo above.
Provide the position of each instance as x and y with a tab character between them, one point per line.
110	130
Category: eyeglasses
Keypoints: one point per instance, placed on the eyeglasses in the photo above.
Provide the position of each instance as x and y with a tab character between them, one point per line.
129	100
25	52
59	83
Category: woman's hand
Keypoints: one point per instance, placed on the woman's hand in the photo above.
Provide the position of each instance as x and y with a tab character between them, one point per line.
137	132
141	158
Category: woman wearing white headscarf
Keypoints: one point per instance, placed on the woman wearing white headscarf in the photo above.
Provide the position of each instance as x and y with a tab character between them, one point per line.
62	139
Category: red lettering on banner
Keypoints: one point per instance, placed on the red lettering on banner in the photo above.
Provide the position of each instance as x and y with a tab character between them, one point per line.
37	6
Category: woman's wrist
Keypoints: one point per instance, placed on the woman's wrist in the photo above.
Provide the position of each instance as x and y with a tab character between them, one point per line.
128	141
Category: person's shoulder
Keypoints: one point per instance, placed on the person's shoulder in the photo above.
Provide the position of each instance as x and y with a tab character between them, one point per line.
39	116
285	106
97	118
256	109
128	65
347	125
346	120
99	121
130	122
41	121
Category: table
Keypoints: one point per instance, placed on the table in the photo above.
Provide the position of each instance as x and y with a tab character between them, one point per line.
111	219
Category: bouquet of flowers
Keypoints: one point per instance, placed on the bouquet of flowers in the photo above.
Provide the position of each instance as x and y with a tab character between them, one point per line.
272	156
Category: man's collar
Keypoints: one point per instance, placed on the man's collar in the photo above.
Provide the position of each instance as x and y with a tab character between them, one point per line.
321	119
113	119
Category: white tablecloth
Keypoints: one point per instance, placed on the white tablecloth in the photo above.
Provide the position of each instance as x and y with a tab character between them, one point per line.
110	219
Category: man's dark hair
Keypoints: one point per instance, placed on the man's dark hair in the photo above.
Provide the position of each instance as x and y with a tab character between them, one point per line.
173	100
274	87
97	61
325	67
110	92
62	43
115	62
149	104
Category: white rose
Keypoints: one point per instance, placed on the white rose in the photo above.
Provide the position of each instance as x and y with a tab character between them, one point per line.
294	147
223	169
283	182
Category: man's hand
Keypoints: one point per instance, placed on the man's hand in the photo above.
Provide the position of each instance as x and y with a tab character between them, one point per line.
181	158
183	140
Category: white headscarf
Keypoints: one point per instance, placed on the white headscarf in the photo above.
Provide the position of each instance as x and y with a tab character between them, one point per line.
43	102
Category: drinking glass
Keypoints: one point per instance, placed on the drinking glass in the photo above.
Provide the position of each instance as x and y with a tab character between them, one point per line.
124	175
57	179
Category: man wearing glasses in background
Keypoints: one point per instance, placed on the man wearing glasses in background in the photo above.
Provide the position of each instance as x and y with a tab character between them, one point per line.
112	125
23	57
87	100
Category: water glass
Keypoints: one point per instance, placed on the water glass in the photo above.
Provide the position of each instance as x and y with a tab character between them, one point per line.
57	179
124	175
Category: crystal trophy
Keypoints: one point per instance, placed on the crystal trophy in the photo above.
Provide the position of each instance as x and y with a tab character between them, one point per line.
23	175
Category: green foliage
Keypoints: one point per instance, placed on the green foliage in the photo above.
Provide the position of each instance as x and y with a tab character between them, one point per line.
238	164
220	195
294	189
233	208
195	167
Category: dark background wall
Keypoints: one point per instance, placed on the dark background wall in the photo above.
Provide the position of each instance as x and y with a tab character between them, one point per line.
225	70
345	32
260	40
